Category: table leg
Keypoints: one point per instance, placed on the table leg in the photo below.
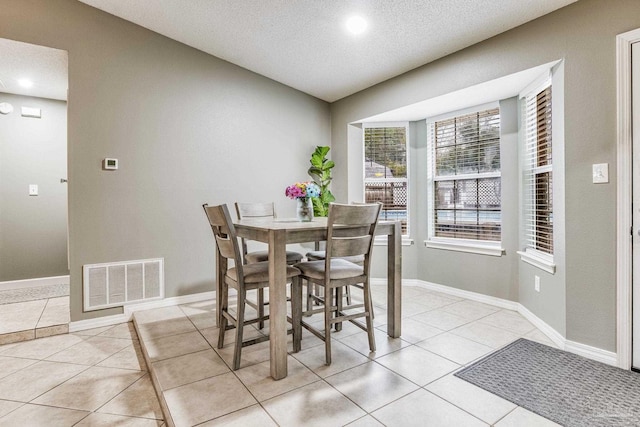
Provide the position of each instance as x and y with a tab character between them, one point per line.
394	282
278	303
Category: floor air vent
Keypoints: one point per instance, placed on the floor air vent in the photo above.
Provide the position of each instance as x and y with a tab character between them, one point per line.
120	283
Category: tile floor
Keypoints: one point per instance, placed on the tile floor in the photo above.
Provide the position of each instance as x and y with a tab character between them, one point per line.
98	377
90	378
407	381
33	319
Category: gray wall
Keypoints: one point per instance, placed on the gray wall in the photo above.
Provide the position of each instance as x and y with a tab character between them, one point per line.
33	229
188	128
583	34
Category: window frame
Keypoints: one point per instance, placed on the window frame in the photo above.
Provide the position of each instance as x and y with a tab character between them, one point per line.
483	247
406	237
532	255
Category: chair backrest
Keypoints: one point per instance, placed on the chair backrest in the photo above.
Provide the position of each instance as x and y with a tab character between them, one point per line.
254	210
225	234
351	230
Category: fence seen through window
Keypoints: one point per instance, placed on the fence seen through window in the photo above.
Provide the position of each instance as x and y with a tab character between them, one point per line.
385	171
466	176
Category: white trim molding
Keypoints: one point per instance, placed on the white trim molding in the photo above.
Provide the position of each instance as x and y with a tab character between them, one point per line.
32	283
126	316
474	296
465	246
538	261
593	353
551	333
624	196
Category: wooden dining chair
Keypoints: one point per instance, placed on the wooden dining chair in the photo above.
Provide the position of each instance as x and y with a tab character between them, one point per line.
316	255
267	211
244	277
350	233
257	211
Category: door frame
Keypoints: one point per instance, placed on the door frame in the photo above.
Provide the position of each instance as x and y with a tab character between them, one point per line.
624	277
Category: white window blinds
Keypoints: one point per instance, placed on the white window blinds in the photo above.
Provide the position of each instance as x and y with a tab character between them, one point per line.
466	179
538	175
385	171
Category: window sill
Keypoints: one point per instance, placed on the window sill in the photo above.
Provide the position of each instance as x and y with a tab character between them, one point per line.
382	241
538	261
491	250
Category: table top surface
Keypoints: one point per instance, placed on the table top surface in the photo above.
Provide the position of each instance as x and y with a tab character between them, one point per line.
317	223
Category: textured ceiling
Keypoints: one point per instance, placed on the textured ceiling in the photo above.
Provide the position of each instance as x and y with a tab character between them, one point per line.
45	67
304	44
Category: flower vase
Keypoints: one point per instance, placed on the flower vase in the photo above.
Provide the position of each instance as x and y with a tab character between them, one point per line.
304	210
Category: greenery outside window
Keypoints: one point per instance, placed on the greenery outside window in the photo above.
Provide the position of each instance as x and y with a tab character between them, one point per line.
385	170
465	206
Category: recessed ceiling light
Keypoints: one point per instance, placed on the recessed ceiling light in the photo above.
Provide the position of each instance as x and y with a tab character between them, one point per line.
25	82
356	25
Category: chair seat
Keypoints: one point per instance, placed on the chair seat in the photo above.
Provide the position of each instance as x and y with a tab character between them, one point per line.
340	269
260	256
320	255
258	272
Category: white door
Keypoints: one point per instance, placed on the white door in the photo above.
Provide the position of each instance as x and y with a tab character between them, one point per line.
635	94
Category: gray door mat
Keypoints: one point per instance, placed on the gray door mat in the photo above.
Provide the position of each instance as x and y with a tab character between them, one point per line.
561	386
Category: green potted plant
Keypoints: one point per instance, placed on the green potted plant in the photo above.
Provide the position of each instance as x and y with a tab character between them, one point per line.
320	171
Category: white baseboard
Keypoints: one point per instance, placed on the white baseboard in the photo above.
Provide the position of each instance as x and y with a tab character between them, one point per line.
551	333
474	296
168	302
98	322
593	353
32	283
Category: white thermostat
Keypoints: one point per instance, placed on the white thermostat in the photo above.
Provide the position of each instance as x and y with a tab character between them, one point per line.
110	164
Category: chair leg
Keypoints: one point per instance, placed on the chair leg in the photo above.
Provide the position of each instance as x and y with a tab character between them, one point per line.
224	307
239	329
221	331
368	291
348	295
328	294
261	307
368	307
310	299
339	299
296	313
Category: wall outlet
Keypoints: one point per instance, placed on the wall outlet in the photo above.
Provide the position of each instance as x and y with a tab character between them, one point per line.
537	283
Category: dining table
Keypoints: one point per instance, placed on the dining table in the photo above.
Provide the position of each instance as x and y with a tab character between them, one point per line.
277	233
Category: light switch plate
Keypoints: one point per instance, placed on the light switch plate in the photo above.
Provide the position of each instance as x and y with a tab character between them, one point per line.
110	164
33	189
31	112
601	173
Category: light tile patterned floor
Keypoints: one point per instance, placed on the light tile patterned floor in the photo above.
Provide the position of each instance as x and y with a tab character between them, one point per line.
90	378
33	319
407	381
98	377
